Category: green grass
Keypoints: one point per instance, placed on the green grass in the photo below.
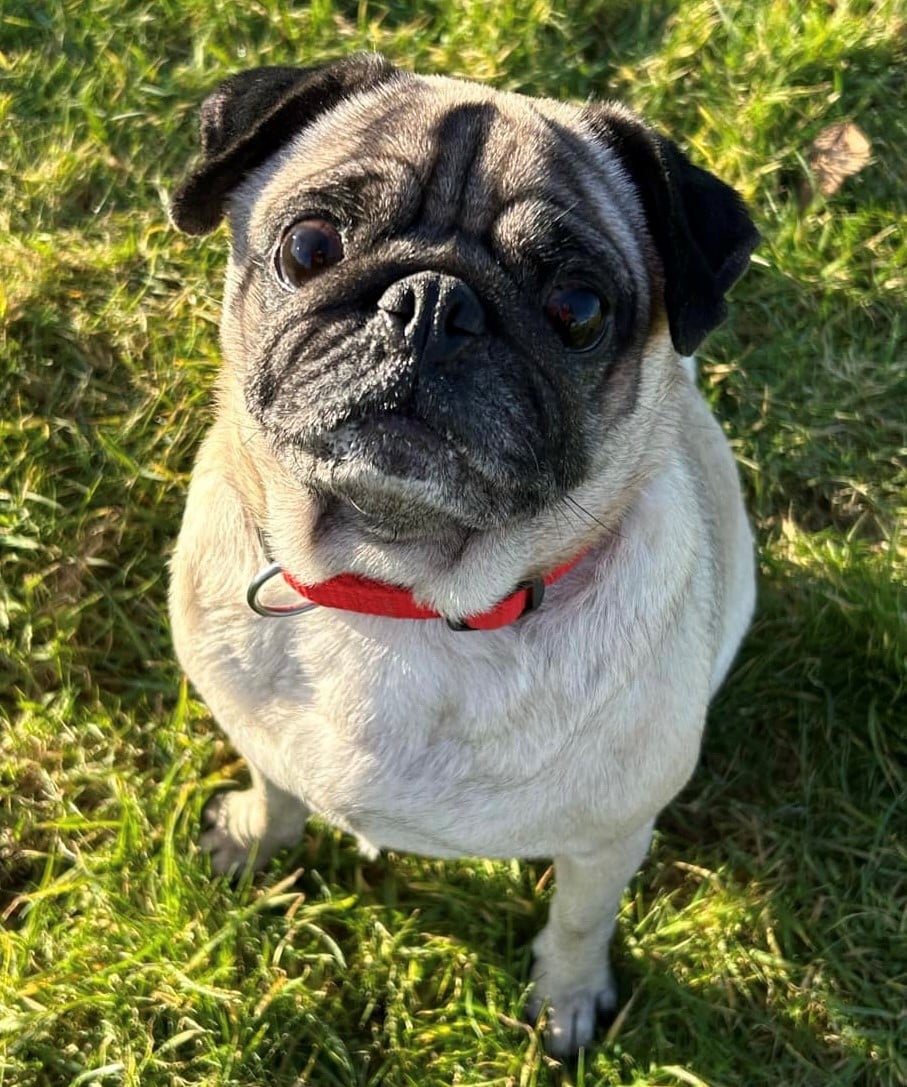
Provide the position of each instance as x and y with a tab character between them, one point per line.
765	940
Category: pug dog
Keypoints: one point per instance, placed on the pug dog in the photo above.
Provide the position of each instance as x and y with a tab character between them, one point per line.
464	556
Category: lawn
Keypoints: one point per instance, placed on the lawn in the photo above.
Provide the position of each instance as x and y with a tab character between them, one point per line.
764	942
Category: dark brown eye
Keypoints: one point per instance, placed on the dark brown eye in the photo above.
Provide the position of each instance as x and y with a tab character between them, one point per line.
578	315
307	249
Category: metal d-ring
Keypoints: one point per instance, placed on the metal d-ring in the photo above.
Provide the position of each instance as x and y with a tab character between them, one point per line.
272	611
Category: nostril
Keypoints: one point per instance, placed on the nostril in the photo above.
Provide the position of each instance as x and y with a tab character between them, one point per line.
399	301
464	313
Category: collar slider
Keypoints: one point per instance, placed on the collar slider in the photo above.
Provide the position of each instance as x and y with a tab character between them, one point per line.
534	589
272	611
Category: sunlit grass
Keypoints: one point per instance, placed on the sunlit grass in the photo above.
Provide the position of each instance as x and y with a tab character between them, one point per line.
764	941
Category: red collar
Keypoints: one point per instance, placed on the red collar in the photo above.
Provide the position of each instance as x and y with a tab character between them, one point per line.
350	592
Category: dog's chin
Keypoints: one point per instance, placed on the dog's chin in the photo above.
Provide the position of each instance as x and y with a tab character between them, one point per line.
396	480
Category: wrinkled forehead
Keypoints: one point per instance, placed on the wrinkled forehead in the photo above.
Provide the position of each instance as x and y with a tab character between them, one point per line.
461	152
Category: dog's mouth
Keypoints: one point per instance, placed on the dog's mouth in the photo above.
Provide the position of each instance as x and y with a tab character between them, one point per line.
400	478
394	444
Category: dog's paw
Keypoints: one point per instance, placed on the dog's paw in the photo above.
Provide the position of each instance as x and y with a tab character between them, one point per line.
575	1009
236	832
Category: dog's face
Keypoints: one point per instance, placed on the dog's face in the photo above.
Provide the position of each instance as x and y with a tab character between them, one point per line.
440	296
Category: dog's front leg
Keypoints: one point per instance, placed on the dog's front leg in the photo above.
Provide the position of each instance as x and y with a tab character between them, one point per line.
248	826
572	973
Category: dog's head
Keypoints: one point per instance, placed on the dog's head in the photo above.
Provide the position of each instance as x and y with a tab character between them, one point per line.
442	298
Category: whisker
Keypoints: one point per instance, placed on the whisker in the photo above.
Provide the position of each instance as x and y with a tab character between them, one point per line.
581	509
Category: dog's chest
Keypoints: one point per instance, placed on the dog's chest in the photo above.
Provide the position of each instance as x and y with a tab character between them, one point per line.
415	744
447	743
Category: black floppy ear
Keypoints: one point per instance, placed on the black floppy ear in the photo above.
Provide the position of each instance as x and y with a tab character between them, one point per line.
700	226
252	115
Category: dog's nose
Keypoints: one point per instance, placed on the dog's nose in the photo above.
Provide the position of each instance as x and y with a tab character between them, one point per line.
438	315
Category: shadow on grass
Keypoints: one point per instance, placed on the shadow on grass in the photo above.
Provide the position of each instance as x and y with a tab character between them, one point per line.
791	907
766	920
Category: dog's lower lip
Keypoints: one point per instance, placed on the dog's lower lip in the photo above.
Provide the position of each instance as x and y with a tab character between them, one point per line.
401	530
412	439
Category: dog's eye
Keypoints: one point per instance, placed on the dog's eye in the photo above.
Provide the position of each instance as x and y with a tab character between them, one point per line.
578	315
308	248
